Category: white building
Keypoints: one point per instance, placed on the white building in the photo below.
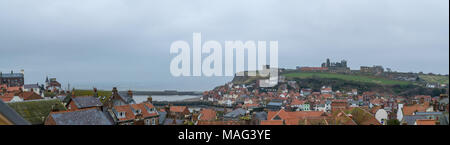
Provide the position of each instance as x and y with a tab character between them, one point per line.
381	116
400	112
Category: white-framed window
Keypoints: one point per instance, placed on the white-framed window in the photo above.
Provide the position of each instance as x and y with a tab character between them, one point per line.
153	121
121	115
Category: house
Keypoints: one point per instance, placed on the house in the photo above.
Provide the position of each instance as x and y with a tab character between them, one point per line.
324	106
119	99
33	88
338	105
409	110
10	117
300	105
362	117
29	96
326	90
229	122
250	106
272	122
179	112
52	85
439	117
88	116
274	105
258	117
81	102
135	114
10	97
291	118
207	115
12	79
411	119
305	92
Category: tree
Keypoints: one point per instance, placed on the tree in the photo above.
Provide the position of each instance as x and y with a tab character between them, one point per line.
393	122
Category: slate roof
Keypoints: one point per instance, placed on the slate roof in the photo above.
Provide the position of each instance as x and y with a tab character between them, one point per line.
444	101
261	115
444	120
428	113
82	117
128	99
162	116
12	115
13	75
29	86
86	102
274	104
169	121
236	113
411	119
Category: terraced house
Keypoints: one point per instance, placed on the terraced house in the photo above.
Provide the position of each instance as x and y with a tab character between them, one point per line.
135	114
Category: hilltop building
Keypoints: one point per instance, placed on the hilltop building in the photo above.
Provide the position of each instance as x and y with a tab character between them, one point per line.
52	85
338	67
376	69
12	79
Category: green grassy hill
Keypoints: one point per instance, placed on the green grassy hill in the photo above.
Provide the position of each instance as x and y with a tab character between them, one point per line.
354	78
435	79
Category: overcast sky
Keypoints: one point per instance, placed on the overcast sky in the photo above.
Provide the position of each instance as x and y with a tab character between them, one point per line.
105	43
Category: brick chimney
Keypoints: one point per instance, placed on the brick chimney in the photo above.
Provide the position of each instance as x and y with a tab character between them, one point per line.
73	93
150	99
195	117
95	92
114	91
130	93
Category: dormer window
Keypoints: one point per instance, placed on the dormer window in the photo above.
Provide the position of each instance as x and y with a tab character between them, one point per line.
138	111
121	115
151	110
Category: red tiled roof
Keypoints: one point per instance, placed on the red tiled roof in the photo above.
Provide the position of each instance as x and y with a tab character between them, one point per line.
208	114
297	102
296	114
271	122
425	122
325	96
7	97
251	105
178	109
12	89
409	110
201	122
129	114
29	96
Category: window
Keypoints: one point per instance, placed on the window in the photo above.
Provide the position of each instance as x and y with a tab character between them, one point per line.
138	111
153	121
121	115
